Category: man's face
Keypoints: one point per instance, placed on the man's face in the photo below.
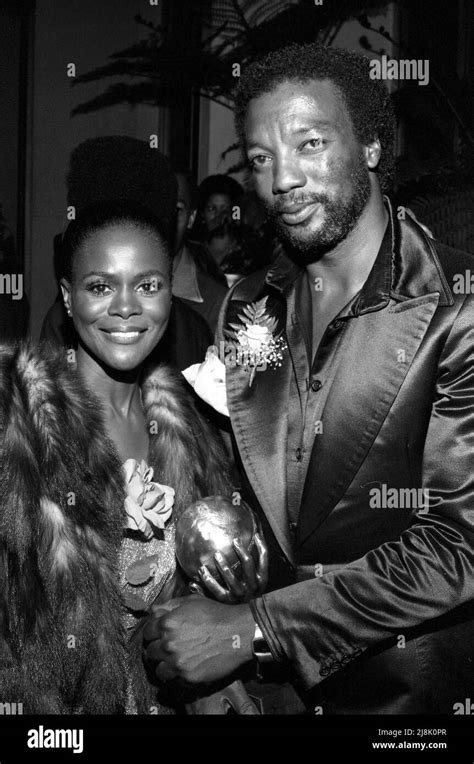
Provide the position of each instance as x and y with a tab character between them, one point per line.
308	167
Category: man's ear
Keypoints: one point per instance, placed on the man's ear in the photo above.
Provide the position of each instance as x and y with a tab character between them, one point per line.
192	218
66	292
372	153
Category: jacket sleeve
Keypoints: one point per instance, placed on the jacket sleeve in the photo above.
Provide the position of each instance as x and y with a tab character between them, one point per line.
428	571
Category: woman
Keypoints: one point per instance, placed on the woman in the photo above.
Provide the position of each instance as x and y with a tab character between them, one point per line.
218	195
74	430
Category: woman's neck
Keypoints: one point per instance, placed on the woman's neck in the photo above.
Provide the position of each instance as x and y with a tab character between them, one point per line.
118	391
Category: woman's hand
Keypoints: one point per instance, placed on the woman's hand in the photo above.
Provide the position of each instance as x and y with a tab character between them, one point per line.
250	584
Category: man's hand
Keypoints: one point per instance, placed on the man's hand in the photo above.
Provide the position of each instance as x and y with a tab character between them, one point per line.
198	640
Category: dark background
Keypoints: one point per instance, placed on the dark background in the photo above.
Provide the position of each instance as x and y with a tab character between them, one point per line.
166	70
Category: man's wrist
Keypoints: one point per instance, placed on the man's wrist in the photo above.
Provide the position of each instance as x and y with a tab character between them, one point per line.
245	631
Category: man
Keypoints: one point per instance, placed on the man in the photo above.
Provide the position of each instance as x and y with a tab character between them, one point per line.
191	283
358	448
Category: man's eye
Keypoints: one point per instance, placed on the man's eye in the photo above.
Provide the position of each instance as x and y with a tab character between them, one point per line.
259	161
99	289
313	143
152	286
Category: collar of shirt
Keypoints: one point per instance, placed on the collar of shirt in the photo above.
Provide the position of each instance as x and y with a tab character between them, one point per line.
185	280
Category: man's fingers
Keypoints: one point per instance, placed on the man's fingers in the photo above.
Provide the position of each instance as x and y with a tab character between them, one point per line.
164	672
153	627
155	651
166	606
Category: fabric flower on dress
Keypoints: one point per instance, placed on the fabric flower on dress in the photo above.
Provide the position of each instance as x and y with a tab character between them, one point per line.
148	504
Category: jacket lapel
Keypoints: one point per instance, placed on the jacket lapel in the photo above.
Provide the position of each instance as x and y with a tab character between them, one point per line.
259	416
369	377
378	351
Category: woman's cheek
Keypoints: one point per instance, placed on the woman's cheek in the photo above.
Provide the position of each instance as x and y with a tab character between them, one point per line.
160	310
86	309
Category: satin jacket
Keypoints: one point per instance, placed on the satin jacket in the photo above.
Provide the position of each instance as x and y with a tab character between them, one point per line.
373	606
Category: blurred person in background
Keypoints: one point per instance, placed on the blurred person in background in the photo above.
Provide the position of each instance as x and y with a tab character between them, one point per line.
218	196
196	279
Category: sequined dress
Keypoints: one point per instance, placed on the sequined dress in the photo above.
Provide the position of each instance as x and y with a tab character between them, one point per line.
159	553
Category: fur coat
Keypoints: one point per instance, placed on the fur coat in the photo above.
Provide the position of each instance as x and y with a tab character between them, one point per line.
62	640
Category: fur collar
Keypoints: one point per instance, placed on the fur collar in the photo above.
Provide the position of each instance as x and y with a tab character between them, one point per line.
185	451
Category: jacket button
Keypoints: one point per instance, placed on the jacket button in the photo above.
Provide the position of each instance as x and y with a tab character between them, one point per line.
324	672
316	385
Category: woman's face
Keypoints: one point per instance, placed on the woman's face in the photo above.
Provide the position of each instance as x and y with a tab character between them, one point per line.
120	296
217	210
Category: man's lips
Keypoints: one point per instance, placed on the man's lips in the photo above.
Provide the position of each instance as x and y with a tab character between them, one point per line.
293	214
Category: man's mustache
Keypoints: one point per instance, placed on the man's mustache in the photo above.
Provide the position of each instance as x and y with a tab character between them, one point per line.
282	202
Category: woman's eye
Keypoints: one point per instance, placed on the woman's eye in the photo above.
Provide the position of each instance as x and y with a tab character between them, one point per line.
152	286
98	289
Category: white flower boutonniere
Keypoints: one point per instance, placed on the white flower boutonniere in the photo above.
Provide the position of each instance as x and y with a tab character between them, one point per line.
255	342
252	345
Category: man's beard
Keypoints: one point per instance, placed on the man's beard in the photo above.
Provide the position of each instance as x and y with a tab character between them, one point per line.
340	217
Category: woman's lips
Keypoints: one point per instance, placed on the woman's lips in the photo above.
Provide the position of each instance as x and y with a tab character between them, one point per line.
297	213
124	338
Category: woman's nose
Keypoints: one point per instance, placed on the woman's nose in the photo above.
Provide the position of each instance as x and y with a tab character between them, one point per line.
125	303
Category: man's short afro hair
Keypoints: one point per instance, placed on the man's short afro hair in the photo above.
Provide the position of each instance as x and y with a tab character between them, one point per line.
367	101
219	184
114	167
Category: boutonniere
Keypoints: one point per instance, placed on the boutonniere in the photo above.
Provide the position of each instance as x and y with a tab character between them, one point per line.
253	344
255	341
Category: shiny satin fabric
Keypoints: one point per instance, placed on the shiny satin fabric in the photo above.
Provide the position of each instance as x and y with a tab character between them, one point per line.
400	413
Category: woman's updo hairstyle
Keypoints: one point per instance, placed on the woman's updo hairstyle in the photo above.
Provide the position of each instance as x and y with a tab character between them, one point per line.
109	214
110	168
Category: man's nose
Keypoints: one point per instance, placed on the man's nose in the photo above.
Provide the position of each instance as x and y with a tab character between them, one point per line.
287	175
125	303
